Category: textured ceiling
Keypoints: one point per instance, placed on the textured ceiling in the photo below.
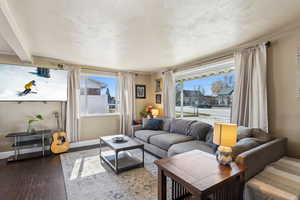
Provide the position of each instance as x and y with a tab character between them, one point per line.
145	35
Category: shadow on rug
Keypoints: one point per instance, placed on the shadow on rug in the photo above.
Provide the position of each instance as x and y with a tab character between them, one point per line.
88	178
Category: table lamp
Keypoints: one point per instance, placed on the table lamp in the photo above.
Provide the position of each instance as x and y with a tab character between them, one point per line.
225	135
155	112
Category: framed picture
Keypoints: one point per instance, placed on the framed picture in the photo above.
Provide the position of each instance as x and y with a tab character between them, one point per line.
140	91
158	99
157	85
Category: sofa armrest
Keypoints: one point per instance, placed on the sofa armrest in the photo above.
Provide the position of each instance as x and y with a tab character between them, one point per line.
136	128
257	158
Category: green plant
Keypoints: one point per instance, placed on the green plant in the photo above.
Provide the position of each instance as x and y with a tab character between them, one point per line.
35	118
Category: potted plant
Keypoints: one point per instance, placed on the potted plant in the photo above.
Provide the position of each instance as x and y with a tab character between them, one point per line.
33	119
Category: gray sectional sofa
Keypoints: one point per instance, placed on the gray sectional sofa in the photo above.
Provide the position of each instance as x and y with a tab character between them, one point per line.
254	148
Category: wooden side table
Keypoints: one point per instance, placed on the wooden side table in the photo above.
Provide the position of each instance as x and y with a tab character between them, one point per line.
197	175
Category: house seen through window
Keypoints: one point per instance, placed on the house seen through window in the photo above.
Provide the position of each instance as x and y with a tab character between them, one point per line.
98	94
206	99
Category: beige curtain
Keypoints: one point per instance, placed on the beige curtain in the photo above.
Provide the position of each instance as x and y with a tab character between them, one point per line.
73	111
127	101
169	94
249	107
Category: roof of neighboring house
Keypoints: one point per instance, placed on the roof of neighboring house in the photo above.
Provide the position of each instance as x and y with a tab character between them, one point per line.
226	91
99	83
191	93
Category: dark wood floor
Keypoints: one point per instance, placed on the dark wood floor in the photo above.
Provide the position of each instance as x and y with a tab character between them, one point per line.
33	179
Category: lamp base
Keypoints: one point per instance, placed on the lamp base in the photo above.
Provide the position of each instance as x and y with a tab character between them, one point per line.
224	155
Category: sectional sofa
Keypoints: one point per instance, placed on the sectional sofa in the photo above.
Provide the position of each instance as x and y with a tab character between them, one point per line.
254	148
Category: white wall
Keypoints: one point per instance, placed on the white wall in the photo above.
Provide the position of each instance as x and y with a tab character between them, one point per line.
14	116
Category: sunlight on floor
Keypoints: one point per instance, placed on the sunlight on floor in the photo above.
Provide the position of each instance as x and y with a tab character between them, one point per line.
92	166
88	166
76	168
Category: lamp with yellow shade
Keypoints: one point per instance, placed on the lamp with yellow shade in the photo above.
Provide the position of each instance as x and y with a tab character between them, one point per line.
155	112
225	135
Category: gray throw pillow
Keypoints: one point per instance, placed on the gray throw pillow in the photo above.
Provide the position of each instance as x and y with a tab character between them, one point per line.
243	132
243	145
261	136
209	139
181	126
166	124
199	130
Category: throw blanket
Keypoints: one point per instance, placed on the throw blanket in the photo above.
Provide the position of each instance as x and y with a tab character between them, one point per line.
279	181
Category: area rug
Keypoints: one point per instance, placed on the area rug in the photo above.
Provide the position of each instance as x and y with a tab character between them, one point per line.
86	178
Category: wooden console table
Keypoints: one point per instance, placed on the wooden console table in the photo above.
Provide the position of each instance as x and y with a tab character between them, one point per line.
197	175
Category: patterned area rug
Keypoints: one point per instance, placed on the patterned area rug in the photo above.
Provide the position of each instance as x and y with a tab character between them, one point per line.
86	178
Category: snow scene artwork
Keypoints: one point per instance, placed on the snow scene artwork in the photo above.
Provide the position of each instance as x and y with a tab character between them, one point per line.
20	83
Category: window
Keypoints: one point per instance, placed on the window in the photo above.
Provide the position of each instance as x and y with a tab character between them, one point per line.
206	97
98	94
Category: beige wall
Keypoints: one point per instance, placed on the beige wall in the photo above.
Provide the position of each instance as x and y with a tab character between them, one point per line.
92	127
14	116
141	103
284	105
153	92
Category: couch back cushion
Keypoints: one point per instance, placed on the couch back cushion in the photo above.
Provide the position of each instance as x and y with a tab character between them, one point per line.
166	123
181	126
199	130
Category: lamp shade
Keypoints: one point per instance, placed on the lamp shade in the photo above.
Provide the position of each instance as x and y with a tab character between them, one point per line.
155	112
225	134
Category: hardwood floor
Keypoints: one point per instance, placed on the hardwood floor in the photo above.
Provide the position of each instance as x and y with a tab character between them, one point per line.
34	179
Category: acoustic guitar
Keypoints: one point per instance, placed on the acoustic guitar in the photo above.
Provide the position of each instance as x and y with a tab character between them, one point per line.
59	140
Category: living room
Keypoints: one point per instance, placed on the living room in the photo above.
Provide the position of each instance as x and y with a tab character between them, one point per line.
149	99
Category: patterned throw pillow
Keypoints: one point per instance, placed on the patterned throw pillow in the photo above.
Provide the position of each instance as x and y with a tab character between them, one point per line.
153	124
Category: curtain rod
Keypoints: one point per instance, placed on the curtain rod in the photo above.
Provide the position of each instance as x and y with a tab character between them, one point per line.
210	60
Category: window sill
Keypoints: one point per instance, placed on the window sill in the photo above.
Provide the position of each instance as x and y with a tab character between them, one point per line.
100	115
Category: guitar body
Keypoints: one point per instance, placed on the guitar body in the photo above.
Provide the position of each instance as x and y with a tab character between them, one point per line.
59	142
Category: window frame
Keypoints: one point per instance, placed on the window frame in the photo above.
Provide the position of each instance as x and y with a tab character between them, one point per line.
206	69
117	113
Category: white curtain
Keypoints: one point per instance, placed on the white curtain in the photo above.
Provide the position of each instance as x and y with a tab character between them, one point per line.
249	107
127	101
169	93
73	109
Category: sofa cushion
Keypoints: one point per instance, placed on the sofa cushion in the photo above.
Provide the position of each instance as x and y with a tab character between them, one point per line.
181	126
243	132
189	146
243	145
261	136
199	130
164	141
153	124
144	135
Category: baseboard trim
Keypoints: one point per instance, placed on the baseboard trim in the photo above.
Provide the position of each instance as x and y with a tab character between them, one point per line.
6	154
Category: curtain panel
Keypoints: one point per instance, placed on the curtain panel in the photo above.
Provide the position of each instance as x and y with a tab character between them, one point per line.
249	107
73	109
169	93
127	101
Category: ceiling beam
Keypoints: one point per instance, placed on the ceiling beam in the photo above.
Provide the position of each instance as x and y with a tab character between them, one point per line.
12	34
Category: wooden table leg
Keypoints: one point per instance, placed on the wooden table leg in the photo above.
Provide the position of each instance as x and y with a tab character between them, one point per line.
162	185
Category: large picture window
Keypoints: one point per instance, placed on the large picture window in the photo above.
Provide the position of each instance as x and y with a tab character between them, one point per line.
98	94
206	95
